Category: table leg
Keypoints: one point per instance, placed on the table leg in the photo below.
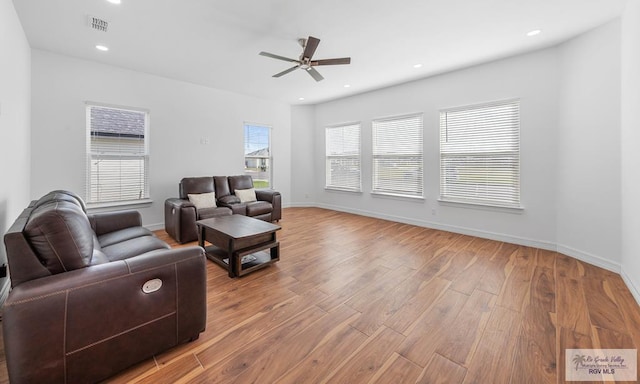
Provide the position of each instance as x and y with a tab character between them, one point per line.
201	236
232	260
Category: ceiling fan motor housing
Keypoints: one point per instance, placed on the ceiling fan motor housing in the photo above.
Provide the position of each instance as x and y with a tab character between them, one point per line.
309	47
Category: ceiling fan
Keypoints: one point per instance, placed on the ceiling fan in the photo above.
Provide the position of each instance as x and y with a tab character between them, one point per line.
304	62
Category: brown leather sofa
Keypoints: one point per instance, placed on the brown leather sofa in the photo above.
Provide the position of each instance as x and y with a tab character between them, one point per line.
94	294
180	214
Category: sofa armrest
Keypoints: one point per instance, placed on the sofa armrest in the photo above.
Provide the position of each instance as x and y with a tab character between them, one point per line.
87	324
106	222
180	220
274	198
179	203
266	194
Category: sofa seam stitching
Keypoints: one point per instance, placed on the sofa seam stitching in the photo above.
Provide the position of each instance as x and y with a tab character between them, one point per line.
120	334
94	283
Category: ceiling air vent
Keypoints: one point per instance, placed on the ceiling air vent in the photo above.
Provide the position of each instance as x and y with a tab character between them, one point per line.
97	23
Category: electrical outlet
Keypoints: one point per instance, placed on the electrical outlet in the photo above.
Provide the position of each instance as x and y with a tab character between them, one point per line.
433	212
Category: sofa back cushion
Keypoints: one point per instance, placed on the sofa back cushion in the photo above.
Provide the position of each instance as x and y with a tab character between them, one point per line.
61	195
222	186
61	236
240	182
195	185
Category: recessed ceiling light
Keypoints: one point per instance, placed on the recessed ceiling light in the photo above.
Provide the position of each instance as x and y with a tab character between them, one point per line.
417	65
534	32
102	48
347	85
300	98
114	1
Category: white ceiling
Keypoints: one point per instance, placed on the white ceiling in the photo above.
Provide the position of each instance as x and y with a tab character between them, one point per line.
216	43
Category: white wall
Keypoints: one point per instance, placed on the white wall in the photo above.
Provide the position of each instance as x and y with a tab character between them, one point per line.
588	200
15	94
302	149
571	138
570	147
180	115
532	77
630	137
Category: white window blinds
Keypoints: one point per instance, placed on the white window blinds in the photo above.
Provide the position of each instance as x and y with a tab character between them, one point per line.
480	154
343	157
117	155
257	154
397	156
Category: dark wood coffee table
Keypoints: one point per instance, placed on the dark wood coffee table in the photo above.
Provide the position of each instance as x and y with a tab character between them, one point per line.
237	237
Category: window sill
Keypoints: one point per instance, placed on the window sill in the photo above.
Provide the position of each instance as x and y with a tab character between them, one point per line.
482	206
97	207
330	189
418	199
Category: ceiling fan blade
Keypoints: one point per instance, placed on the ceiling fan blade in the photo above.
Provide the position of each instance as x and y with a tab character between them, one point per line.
271	55
286	71
310	47
315	74
342	60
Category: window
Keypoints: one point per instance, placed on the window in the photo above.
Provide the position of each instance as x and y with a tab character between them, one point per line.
480	154
257	154
397	156
343	157
117	154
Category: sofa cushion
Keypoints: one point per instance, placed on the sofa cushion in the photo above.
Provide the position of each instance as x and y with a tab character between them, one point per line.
195	185
61	235
208	213
222	186
203	200
133	247
240	182
239	209
61	195
229	199
122	235
246	195
259	208
98	257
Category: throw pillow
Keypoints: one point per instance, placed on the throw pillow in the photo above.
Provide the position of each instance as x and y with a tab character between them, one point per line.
246	195
203	200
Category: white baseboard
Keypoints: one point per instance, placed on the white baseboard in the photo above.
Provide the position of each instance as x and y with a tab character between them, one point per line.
632	287
571	252
589	258
449	228
301	205
160	226
154	227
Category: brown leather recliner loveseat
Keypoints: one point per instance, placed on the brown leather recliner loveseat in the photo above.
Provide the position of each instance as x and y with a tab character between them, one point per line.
94	294
180	214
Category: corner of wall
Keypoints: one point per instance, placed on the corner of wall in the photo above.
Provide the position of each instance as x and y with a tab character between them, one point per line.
15	123
629	137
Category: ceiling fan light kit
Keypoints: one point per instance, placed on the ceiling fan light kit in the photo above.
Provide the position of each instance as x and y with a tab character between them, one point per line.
309	47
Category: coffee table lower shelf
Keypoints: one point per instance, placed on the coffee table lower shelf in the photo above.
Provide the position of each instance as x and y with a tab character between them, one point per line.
259	257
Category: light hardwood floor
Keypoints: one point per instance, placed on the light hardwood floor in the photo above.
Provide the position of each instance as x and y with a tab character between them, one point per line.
361	300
